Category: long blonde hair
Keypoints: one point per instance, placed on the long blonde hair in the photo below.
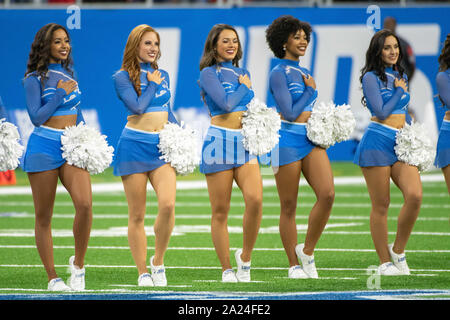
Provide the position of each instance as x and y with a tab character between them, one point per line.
130	62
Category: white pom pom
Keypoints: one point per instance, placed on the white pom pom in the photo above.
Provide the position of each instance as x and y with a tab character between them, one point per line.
260	126
344	123
10	148
414	147
179	147
319	127
86	148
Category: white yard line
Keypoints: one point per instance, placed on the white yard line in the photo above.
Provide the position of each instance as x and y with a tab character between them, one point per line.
206	204
212	249
179	230
204	267
182	230
201	184
301	194
178	216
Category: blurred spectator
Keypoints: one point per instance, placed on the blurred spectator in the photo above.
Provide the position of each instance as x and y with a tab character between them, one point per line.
110	1
60	1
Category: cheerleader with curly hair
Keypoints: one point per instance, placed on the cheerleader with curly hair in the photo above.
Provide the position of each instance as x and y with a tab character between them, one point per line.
53	101
385	89
443	85
294	91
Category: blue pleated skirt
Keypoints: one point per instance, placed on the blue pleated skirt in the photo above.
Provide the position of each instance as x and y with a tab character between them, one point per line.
43	150
222	150
376	147
137	151
294	144
443	146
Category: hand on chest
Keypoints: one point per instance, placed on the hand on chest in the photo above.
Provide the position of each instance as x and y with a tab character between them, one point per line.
229	78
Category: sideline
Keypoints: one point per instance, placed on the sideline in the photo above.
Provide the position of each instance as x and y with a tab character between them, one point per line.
123	294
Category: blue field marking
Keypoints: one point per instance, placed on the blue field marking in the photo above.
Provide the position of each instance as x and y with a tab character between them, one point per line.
427	294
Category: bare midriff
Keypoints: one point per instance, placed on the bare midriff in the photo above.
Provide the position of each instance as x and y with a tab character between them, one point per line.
396	121
232	120
447	115
150	121
61	122
302	118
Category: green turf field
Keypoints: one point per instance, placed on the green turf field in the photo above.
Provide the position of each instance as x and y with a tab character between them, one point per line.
343	254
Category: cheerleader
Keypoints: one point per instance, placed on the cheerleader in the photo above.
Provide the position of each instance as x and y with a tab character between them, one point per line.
385	89
226	89
53	102
294	91
144	90
443	86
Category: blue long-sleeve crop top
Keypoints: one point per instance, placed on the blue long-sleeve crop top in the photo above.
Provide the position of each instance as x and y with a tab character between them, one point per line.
47	101
382	98
443	87
153	97
290	93
221	88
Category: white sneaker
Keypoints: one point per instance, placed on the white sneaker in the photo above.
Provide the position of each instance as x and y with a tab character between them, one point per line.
296	272
57	284
145	280
309	266
76	280
243	268
229	276
158	274
388	269
399	261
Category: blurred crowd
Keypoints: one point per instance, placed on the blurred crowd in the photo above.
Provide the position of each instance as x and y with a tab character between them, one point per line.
204	1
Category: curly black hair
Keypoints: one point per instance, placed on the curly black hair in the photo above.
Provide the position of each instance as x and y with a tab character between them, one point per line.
277	34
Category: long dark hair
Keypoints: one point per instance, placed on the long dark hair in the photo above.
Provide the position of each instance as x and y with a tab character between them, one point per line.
374	61
40	52
444	57
209	57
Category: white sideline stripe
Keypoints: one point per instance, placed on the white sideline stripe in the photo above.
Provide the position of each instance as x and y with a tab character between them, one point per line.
206	267
89	290
239	295
207	204
201	184
200	216
212	249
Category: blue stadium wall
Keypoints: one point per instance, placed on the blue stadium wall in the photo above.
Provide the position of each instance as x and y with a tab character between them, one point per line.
335	56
